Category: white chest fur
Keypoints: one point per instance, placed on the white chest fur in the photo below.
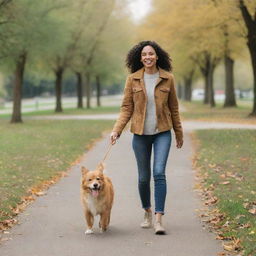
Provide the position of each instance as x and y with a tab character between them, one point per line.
92	205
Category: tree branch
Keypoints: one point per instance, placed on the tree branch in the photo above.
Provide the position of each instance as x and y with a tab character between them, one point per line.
245	13
97	36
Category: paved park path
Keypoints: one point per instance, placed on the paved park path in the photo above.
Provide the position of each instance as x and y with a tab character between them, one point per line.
54	225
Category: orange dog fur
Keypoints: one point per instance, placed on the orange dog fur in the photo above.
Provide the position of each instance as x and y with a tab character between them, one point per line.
97	195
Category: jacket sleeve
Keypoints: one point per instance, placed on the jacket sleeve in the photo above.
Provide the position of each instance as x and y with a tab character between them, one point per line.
127	107
174	108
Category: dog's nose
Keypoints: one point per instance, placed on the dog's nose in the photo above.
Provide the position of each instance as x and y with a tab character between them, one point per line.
95	185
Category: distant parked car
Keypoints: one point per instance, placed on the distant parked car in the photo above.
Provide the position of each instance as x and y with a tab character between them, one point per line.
198	94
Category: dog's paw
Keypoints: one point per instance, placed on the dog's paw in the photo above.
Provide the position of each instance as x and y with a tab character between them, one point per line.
88	231
103	230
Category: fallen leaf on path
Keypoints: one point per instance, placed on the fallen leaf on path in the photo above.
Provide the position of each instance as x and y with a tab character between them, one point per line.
244	158
219	237
41	193
252	211
245	205
5	239
232	246
28	198
246	225
228	247
197	186
225	182
212	200
227	223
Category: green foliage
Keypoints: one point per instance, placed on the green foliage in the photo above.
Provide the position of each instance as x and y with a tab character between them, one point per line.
79	35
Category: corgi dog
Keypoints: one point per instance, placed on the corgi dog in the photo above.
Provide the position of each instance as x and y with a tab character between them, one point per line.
97	195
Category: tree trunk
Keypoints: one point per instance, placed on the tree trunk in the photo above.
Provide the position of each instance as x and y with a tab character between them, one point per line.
230	100
188	85
188	89
88	91
211	87
17	92
79	90
98	86
205	71
253	58
58	88
250	22
206	88
179	87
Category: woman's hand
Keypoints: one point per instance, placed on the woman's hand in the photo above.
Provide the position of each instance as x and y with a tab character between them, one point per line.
113	137
179	143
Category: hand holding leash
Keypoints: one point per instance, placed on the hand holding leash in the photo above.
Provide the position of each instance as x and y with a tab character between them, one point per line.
113	137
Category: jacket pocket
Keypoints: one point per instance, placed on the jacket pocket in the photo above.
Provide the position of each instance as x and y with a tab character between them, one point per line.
165	89
136	89
137	95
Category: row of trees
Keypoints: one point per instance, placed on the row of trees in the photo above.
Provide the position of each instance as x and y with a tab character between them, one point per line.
85	38
201	34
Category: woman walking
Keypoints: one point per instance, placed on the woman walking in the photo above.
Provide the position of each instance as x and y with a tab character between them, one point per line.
151	103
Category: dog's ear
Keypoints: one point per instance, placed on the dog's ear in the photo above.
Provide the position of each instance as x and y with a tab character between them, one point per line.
101	167
84	171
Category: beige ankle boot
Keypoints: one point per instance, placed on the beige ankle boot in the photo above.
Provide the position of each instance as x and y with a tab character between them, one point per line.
147	223
159	229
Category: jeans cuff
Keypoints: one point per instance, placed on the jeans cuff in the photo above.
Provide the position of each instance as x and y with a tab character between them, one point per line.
159	212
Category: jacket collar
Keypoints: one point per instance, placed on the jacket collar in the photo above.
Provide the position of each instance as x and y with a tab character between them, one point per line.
140	73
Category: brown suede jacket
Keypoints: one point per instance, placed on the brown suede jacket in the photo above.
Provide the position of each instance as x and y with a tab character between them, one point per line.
135	101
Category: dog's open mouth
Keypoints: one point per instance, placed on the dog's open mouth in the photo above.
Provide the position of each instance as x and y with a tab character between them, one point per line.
95	191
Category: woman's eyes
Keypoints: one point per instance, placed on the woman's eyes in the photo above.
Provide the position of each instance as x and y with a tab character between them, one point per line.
144	54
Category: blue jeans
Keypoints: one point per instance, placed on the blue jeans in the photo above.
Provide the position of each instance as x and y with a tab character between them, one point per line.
142	146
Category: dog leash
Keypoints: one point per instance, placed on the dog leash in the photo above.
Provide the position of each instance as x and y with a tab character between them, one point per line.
107	153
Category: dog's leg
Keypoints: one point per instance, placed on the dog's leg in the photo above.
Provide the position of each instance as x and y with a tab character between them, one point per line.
104	221
109	218
89	219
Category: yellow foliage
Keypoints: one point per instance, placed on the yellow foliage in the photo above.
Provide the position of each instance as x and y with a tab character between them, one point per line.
188	28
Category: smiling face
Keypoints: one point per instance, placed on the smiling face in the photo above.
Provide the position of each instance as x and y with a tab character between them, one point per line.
92	181
149	57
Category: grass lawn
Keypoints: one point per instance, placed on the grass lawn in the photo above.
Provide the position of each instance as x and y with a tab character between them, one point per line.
227	166
36	151
198	111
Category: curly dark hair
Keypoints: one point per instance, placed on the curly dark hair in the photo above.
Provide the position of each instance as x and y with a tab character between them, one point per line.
133	57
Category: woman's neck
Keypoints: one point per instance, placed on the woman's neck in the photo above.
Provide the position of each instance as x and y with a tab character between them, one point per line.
151	70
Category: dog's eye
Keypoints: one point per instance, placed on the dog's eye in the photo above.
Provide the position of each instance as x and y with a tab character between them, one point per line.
89	179
98	179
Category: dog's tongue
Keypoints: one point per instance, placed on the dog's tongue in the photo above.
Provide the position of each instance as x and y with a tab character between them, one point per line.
95	193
